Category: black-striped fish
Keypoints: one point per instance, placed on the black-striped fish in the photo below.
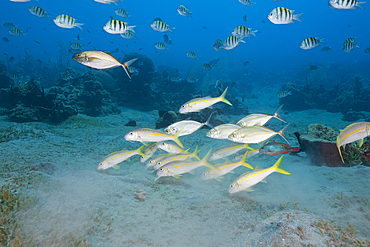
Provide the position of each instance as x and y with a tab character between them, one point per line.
345	4
75	46
37	11
184	11
231	42
242	31
206	66
117	27
160	46
160	26
283	94
9	25
349	46
309	43
281	15
191	54
122	13
246	2
128	35
350	39
16	32
66	21
218	45
191	79
326	49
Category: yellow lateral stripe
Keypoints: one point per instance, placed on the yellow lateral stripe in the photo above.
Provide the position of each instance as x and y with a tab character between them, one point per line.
224	166
200	101
155	134
170	167
118	155
350	133
259	172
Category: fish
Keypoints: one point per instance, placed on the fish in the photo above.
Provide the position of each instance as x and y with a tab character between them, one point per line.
222	131
206	66
20	1
128	35
245	18
255	134
367	50
197	104
184	11
313	67
349	46
247	2
107	1
148	150
117	27
101	60
160	46
121	12
11	59
75	46
259	119
218	45
157	19
5	39
191	54
281	15
223	168
175	78
243	32
169	147
187	127
39	12
248	179
345	4
191	79
227	150
150	135
65	76
117	157
65	21
283	94
325	49
176	168
309	43
176	157
231	42
160	26
246	63
155	159
275	148
16	32
9	25
133	71
352	133
15	76
37	42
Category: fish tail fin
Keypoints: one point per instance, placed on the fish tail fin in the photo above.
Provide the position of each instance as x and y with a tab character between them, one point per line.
170	29
209	118
296	17
276	114
195	153
252	149
279	170
139	151
47	16
322	40
79	25
125	66
294	149
338	146
205	160
222	97
281	133
131	28
253	32
359	5
245	163
176	138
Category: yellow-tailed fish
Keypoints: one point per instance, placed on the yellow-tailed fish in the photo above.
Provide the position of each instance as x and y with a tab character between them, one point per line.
66	21
117	157
149	150
176	168
101	60
255	134
221	169
352	133
197	104
248	179
222	131
225	151
150	135
259	119
187	127
155	159
169	147
176	157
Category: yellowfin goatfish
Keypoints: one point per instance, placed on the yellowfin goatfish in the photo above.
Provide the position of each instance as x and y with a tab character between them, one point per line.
345	4
218	45
154	160
160	26
121	12
177	168
191	54
187	127
281	15
352	133
283	94
184	11
169	147
222	131
150	135
221	169
148	151
117	27
255	134
16	32
246	2
309	43
225	151
259	119
160	46
242	31
37	11
101	60
231	42
66	21
117	157
197	104
176	157
248	179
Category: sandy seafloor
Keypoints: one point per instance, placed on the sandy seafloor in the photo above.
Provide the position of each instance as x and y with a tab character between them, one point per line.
73	201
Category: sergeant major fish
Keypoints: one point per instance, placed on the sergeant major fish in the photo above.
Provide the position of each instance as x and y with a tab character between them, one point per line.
66	21
281	15
160	26
231	42
39	12
345	4
309	43
184	11
117	27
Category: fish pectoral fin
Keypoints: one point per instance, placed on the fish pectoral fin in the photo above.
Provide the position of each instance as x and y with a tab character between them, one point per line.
192	173
249	190
116	167
177	176
219	179
264	181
